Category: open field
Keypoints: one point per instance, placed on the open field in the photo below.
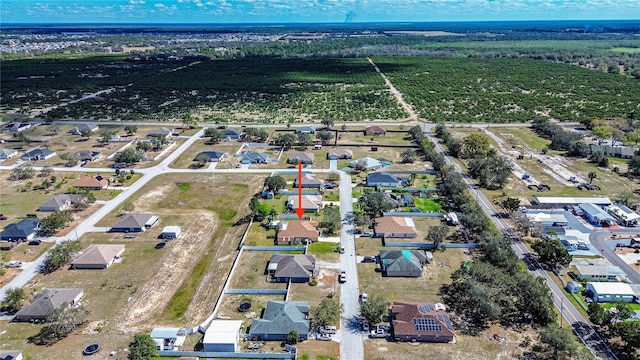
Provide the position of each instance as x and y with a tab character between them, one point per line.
424	288
507	90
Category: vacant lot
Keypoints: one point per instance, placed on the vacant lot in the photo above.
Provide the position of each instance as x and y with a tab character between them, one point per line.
480	347
325	251
424	288
327	287
318	350
133	295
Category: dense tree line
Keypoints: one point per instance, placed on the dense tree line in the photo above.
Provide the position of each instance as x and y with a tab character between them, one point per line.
494	288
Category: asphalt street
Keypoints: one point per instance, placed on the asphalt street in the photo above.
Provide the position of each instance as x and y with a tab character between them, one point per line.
568	311
351	346
598	239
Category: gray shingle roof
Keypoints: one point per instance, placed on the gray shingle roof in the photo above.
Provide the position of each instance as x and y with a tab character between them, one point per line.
133	221
20	230
293	266
59	200
47	301
402	260
281	317
381	177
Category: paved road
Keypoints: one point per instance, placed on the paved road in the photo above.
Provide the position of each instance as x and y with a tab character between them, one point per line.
580	325
337	125
351	346
597	239
89	223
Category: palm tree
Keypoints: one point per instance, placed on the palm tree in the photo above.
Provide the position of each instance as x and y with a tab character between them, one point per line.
592	175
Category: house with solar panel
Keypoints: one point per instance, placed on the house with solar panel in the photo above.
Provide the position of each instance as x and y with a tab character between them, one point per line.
421	322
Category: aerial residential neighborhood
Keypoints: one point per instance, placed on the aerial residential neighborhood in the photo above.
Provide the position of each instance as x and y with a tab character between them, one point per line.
268	194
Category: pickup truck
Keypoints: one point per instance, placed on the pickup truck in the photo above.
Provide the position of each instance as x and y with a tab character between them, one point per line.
343	277
14	264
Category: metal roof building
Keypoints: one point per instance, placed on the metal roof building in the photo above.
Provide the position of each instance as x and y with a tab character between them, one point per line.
596	215
561	201
627	216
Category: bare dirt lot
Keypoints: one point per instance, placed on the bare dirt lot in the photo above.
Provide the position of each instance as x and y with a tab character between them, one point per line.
481	347
174	286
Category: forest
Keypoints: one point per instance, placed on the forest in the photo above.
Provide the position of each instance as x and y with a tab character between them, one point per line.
293	90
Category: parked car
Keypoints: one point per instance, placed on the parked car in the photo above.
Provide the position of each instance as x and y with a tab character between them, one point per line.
341	250
130	236
328	330
364	297
368	259
323	337
14	264
343	277
3	217
365	325
35	242
366	234
160	245
386	328
378	333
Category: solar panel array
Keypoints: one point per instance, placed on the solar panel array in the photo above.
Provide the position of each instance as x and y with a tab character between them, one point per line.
445	320
426	308
426	325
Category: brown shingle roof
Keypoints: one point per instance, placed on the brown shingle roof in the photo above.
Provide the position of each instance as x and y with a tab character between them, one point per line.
341	153
373	130
292	229
308	179
395	225
309	202
407	315
92	182
100	254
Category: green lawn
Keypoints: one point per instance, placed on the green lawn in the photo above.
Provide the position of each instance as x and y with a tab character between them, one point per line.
618	160
427	205
322	248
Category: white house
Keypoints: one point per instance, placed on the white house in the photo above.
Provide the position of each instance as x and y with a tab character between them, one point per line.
223	336
625	215
610	291
171	232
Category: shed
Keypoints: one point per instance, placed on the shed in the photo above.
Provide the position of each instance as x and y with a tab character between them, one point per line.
223	336
167	339
171	232
574	287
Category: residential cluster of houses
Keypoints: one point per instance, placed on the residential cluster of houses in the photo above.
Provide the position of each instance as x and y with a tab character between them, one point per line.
410	321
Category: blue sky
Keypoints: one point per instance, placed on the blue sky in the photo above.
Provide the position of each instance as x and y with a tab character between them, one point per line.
279	11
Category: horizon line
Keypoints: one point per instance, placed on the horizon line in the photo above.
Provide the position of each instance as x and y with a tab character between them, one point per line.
300	22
